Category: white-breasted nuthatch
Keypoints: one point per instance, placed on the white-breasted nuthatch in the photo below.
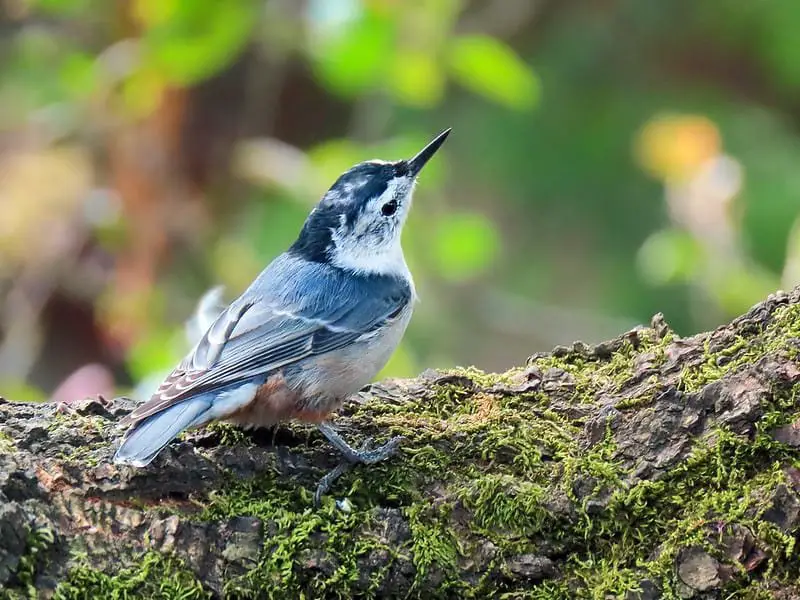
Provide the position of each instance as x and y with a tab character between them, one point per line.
314	327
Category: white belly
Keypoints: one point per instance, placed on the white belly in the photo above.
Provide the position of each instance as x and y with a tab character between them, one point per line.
334	376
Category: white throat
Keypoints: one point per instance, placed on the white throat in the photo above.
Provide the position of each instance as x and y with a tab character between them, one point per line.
368	260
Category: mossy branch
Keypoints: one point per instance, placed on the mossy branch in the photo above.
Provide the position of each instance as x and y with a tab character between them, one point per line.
649	466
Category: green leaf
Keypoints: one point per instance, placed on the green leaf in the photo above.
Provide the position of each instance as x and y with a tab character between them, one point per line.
235	262
141	91
740	286
669	256
465	245
158	351
79	75
332	157
416	80
197	38
353	59
490	68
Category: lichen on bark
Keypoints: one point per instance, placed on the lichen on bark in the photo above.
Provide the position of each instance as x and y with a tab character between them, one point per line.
649	466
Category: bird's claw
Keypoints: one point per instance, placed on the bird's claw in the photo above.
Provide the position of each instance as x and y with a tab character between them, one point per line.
366	455
326	482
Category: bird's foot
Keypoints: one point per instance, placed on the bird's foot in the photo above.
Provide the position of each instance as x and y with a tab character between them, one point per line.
366	455
326	482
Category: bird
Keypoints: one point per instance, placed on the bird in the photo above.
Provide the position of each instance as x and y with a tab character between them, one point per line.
314	327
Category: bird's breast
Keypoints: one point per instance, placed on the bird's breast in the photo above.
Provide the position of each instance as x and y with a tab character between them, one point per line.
335	375
311	389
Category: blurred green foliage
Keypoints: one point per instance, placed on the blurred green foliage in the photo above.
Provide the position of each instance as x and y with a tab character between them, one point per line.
608	160
488	67
186	41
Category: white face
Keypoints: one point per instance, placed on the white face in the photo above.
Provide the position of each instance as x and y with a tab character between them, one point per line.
368	241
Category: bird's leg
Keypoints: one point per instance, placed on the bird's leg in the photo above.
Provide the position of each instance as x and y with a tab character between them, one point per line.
326	482
365	455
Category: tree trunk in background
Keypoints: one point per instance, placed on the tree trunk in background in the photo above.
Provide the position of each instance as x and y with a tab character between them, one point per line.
648	466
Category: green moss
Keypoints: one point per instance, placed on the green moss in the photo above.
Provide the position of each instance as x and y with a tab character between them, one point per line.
596	466
644	398
230	435
480	464
7	445
605	576
775	337
40	539
503	506
288	566
434	547
512	469
606	368
483	379
641	530
645	526
94	447
155	577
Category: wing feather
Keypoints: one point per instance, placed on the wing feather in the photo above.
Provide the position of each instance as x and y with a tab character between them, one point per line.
294	310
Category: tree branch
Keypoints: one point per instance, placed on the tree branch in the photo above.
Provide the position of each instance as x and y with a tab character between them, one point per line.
647	466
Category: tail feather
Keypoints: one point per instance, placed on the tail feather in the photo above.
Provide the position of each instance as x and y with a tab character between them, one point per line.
145	440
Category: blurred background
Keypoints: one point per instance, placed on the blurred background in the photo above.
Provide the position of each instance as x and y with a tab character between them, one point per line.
609	159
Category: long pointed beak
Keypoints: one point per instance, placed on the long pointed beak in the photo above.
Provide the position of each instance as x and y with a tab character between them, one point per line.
423	156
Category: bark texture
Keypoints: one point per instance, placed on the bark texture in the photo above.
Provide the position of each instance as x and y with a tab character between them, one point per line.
649	466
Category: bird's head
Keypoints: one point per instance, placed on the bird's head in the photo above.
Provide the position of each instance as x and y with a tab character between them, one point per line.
357	224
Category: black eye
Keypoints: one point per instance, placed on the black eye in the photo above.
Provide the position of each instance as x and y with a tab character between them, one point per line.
388	209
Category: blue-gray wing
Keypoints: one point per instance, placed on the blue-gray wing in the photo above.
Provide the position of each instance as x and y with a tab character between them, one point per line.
294	310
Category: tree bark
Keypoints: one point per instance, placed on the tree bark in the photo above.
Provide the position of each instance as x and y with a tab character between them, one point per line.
648	466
